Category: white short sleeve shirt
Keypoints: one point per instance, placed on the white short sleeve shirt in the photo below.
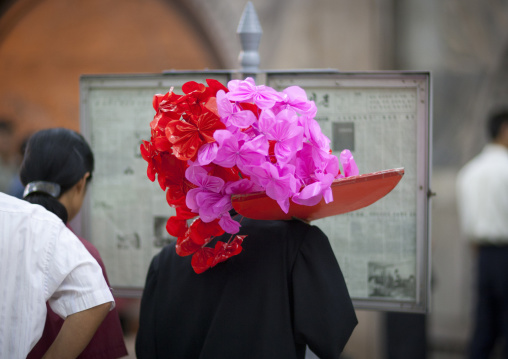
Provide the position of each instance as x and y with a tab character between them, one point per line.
41	260
482	192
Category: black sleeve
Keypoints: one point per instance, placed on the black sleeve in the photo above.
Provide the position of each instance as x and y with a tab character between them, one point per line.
145	339
324	317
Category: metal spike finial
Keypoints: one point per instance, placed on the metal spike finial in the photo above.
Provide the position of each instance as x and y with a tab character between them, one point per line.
249	30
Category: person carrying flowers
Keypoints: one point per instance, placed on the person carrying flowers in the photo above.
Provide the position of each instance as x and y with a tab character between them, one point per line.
231	286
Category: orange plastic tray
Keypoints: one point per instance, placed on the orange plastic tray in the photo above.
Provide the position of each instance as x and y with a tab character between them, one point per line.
349	194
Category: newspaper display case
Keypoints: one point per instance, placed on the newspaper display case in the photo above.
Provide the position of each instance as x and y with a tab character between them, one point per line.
384	118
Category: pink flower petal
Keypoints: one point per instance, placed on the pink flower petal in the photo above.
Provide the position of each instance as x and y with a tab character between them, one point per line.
228	224
348	164
207	153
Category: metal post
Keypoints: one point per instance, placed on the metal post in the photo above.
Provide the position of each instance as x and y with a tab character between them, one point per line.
249	30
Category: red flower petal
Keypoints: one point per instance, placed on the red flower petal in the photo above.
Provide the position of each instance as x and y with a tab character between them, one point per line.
188	135
150	173
193	86
199	260
224	251
176	227
166	109
208	123
211	105
185	246
161	143
183	212
251	107
227	174
201	233
271	151
146	149
215	86
172	168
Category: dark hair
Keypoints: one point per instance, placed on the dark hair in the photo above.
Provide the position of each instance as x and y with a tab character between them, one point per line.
57	155
496	120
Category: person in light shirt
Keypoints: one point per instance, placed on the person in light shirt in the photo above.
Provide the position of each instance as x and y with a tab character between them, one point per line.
56	171
41	260
482	193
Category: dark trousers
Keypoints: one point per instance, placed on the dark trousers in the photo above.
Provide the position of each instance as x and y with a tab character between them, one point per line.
491	317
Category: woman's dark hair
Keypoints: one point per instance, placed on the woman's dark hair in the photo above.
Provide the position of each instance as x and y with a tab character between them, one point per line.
57	155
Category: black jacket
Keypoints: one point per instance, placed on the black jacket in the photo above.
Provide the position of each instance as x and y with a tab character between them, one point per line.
285	290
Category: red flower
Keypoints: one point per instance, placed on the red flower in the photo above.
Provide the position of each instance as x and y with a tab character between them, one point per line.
215	86
271	151
227	174
181	125
251	107
206	257
166	110
175	196
200	259
148	153
211	105
196	94
197	236
188	136
224	251
201	232
185	246
161	143
171	171
177	225
211	102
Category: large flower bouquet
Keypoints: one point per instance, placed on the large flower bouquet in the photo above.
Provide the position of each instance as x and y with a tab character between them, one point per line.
213	142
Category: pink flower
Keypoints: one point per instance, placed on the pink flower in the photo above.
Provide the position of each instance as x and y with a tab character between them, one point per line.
265	122
348	164
311	160
228	224
319	144
241	187
240	153
279	184
316	137
312	194
231	114
212	205
207	153
295	98
198	176
288	136
247	91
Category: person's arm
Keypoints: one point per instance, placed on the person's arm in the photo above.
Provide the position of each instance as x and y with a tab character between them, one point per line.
77	331
324	317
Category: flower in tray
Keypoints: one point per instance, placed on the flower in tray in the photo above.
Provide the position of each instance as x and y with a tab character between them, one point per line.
214	141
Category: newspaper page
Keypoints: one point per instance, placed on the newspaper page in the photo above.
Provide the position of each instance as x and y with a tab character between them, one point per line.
375	246
128	213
